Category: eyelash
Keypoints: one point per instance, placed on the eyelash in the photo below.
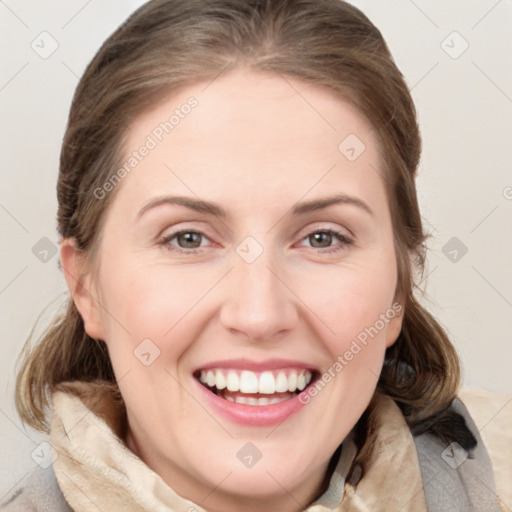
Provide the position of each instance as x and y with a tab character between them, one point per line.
344	239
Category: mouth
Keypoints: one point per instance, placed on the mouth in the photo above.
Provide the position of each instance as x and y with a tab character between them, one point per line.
254	388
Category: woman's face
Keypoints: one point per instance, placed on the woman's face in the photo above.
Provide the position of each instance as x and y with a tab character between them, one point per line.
249	246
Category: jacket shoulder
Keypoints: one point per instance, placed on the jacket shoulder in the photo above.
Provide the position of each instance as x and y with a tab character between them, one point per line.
38	492
455	479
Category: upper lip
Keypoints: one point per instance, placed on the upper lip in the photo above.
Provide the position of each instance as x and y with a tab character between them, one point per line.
256	366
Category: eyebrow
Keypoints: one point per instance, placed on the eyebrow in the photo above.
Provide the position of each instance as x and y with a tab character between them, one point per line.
209	208
318	204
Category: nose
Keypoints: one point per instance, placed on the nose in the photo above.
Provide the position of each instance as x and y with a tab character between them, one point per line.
260	304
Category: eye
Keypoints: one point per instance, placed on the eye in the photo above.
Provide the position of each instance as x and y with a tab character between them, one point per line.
184	241
324	239
190	241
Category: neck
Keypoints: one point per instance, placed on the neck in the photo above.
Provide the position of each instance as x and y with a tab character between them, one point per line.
222	499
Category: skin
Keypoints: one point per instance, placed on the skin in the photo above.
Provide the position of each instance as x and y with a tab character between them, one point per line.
254	146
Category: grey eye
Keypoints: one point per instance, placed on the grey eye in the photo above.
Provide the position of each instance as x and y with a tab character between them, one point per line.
321	239
189	240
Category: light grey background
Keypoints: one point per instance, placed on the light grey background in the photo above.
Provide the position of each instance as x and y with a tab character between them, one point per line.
465	184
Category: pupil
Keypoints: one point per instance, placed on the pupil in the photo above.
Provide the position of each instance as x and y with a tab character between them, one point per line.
322	237
189	240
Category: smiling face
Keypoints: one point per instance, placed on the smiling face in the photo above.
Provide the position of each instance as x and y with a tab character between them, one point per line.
244	258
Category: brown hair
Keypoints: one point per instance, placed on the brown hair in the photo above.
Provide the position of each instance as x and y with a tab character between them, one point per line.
169	44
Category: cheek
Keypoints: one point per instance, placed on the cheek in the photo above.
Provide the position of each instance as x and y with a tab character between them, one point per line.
351	304
354	314
164	305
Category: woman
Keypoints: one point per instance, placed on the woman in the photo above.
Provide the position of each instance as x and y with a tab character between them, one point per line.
240	233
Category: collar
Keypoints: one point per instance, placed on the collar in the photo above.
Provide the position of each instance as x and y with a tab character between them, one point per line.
333	496
93	464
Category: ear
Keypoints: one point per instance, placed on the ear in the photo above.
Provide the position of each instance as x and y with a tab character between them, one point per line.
395	324
81	287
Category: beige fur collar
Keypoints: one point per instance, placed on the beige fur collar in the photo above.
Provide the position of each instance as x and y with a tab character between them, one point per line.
94	466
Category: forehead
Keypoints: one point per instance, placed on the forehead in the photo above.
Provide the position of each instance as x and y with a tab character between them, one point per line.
253	135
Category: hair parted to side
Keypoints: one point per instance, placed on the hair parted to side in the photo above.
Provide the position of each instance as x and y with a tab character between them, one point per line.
169	44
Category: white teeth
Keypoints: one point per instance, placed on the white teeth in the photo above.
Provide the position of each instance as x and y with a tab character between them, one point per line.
256	401
232	381
248	382
281	382
292	381
210	378
220	380
267	382
275	399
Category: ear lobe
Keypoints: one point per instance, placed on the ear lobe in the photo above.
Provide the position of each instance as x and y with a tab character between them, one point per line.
81	287
395	324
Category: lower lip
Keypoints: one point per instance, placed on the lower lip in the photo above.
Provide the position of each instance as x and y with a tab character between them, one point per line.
252	415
